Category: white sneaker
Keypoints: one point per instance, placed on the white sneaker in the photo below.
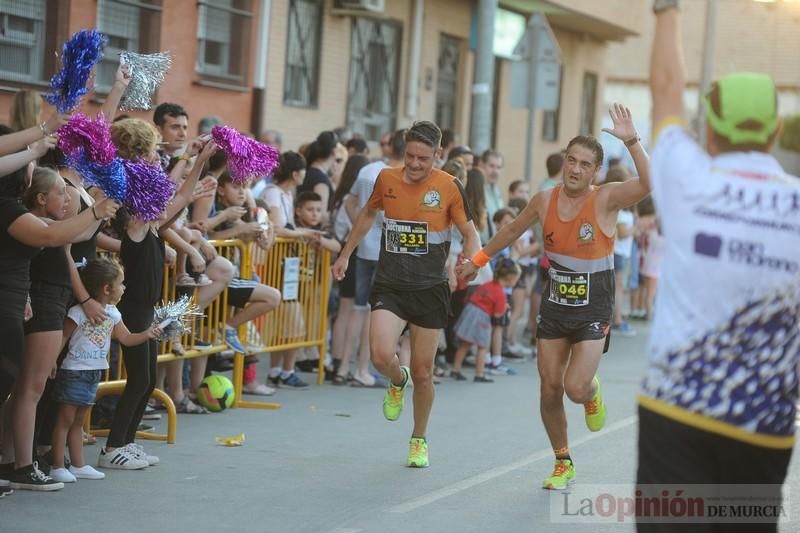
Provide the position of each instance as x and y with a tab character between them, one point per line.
63	475
519	349
86	472
138	451
258	389
121	459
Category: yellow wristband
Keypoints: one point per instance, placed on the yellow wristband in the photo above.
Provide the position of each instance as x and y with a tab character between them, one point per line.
480	259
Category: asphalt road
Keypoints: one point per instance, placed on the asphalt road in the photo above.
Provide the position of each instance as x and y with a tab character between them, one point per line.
328	462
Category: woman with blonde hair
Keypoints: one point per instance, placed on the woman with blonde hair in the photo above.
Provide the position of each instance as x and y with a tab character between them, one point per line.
25	110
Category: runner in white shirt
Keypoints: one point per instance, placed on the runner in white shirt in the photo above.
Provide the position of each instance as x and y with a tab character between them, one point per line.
718	402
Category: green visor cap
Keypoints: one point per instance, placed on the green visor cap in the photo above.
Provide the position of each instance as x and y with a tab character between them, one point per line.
744	96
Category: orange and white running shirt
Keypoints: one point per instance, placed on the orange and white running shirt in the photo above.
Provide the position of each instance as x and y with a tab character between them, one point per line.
581	256
725	346
417	226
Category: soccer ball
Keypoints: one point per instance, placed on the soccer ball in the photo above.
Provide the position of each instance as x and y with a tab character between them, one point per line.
216	393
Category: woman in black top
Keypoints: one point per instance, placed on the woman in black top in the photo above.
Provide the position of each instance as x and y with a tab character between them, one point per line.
50	295
22	234
320	157
142	255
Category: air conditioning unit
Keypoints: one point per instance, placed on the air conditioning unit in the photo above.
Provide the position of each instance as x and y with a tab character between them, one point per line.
358	7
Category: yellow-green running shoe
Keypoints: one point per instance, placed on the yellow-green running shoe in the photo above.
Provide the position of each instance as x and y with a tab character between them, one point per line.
393	401
594	411
563	474
418	452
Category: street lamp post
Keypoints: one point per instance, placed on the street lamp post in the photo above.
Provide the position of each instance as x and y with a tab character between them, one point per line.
707	68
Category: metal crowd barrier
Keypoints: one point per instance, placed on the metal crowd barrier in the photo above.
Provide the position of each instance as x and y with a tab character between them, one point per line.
298	270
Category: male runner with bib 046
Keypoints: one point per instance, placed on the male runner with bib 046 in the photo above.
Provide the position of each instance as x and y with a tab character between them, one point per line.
420	205
718	404
579	221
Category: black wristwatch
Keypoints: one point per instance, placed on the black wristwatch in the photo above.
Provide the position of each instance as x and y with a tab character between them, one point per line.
661	5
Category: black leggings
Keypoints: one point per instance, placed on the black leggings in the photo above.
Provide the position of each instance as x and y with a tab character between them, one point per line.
140	365
12	338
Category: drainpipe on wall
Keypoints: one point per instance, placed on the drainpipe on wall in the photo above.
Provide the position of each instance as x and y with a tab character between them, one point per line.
414	59
259	108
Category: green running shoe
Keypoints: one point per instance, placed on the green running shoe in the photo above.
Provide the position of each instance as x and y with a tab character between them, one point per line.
393	401
418	452
594	411
563	474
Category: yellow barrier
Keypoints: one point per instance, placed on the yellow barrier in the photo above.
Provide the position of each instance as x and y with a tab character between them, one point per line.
296	323
301	320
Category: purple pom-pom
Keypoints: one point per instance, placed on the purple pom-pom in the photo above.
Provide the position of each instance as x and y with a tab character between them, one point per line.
246	157
108	177
93	137
149	189
80	54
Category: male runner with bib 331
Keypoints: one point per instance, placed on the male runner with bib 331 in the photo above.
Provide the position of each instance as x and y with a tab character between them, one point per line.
578	221
420	205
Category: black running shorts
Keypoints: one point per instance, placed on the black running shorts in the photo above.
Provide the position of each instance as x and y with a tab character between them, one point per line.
426	308
573	330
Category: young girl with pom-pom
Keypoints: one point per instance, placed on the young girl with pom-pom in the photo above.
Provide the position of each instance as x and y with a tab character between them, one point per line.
142	255
85	364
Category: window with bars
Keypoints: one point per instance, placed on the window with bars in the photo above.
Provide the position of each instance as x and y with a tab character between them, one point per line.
22	28
130	26
223	38
447	81
301	81
588	103
374	73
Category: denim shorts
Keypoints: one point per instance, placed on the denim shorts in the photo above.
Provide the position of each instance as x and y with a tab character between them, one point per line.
77	387
365	278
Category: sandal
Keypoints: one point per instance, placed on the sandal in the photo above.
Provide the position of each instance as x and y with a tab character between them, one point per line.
185	280
188	407
178	349
338	379
89	439
202	280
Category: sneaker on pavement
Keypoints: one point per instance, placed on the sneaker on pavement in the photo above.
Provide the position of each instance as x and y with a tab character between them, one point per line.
458	376
395	396
482	379
563	474
500	370
31	478
258	389
86	472
63	475
138	451
6	470
232	340
5	491
624	329
292	382
519	349
594	410
418	453
121	459
151	414
147	428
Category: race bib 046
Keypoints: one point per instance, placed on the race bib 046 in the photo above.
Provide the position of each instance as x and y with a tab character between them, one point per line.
569	288
406	236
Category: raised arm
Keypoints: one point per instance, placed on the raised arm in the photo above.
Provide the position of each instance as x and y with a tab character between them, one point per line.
29	229
184	194
14	142
121	80
627	193
10	163
667	68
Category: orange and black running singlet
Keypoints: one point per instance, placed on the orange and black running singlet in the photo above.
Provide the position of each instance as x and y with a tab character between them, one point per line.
581	285
417	226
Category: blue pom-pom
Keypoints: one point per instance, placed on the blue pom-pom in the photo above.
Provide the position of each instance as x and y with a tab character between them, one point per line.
109	178
80	54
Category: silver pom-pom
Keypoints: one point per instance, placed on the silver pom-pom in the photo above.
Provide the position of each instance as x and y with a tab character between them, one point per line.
147	72
176	318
